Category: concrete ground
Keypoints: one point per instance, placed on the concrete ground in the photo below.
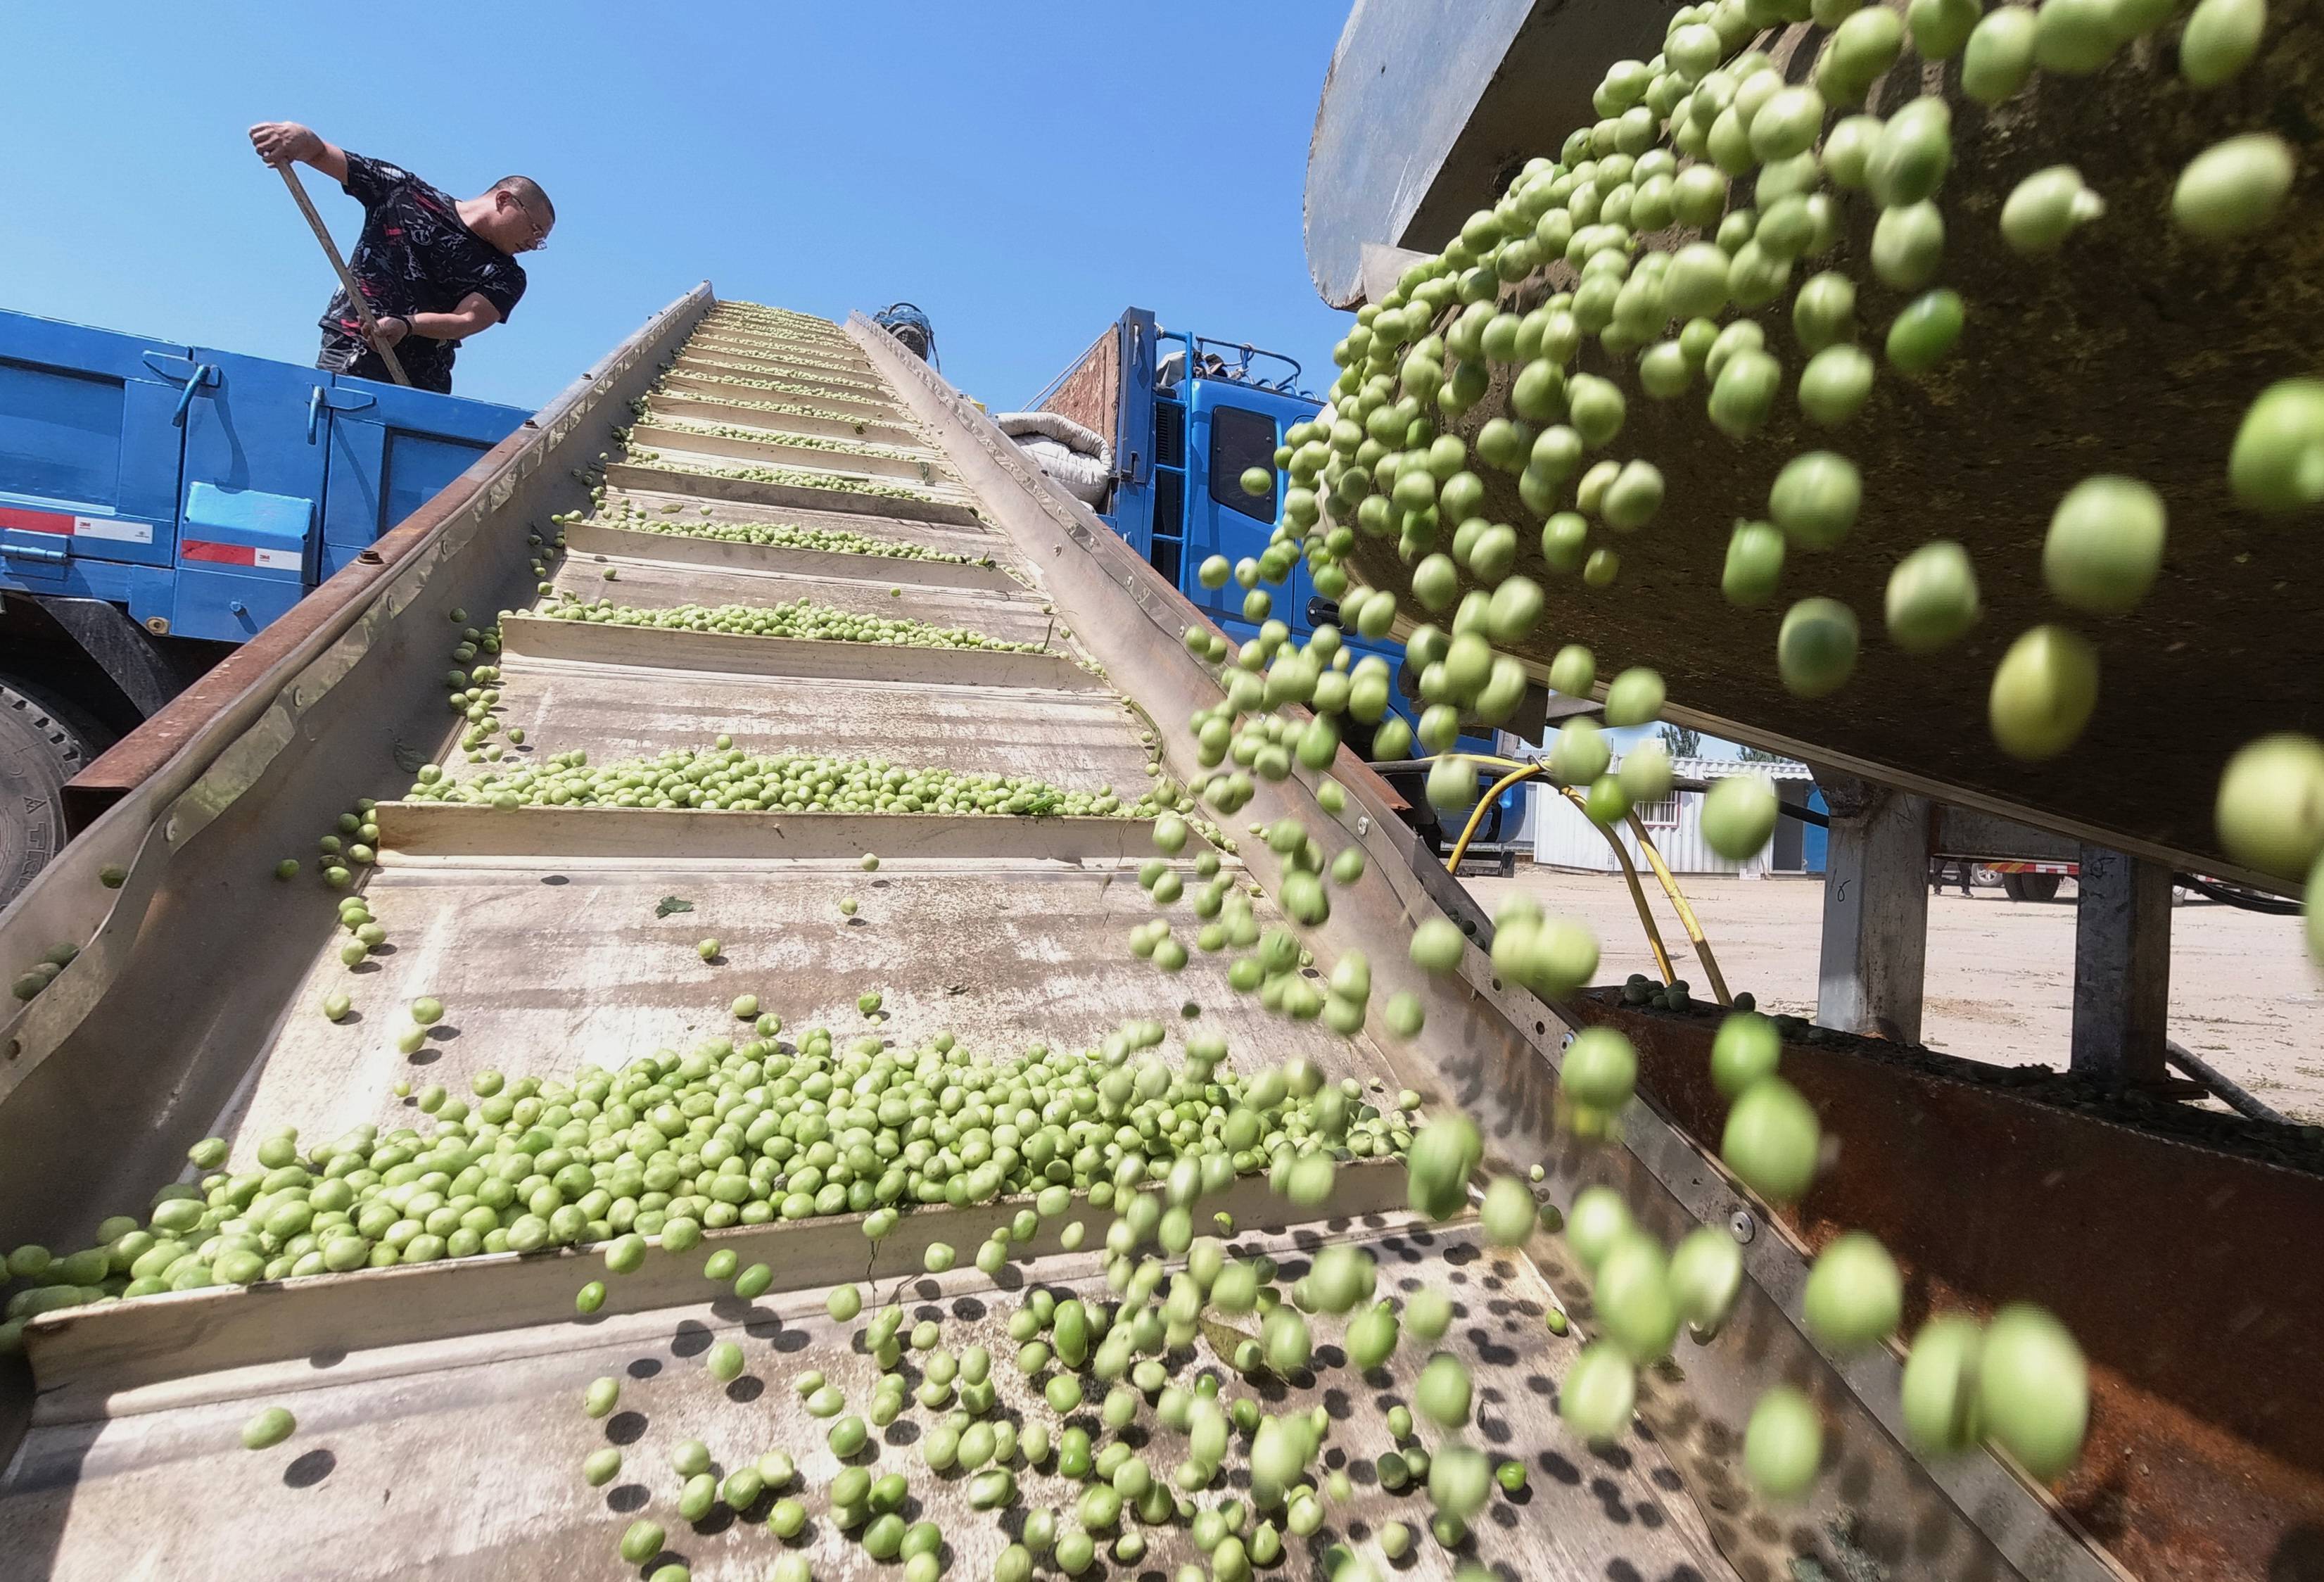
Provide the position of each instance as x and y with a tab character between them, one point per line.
2243	993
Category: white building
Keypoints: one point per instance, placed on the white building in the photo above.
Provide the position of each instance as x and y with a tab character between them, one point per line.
1562	836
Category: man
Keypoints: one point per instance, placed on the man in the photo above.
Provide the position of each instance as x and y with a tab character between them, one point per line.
435	269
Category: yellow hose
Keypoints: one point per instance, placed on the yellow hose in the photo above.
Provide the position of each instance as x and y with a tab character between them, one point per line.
1519	772
1477	814
1637	891
1686	913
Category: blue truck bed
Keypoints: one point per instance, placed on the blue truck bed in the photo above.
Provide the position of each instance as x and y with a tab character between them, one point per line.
161	503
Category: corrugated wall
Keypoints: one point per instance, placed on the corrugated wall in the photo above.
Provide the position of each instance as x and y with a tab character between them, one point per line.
1564	838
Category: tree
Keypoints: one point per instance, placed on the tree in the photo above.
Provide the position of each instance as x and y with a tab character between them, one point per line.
1681	741
1761	755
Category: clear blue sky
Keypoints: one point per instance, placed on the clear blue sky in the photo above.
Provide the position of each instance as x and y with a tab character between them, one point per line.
1022	172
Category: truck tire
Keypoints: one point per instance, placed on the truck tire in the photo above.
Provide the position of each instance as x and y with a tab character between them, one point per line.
38	752
2036	887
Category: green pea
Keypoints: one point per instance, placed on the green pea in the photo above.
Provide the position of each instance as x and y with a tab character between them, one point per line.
1854	1295
2220	39
590	1297
1824	314
698	1497
1925	332
1940	28
1787	123
2076	37
1835	385
1705	1275
1861	47
1599	1070
1595	409
1815	498
1815	650
844	1303
742	1488
2000	56
1782	1444
754	1281
1747	1047
268	1428
1909	161
1939	1385
2277	463
1743	391
1738	815
938	1258
642	1541
2044	692
2233	188
601	1396
626	1254
884	1540
2045	208
1040	1531
786	1520
1443	1392
1632	498
1599	1393
848	1437
1771	1140
1908	245
726	1362
689	1458
601	1466
2105	545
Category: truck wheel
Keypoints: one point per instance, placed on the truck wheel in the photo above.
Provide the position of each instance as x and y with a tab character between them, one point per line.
39	753
2035	887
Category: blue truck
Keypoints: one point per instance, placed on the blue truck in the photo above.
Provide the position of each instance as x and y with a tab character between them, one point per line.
160	504
1181	417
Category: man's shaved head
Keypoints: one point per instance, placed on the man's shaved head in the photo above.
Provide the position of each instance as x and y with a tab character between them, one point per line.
527	192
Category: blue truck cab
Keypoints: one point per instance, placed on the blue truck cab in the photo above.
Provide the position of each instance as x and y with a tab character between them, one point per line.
161	503
1186	416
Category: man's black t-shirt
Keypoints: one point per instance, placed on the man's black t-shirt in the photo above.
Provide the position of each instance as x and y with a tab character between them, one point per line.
414	257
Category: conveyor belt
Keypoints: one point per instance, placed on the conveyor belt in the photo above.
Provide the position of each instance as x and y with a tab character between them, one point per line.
440	1431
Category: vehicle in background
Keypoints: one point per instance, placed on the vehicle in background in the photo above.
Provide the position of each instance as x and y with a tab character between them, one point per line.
1169	421
2028	881
160	505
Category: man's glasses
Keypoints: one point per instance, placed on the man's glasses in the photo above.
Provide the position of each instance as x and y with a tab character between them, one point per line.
540	232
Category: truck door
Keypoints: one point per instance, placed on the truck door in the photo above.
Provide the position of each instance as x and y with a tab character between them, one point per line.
256	455
91	438
1228	435
391	450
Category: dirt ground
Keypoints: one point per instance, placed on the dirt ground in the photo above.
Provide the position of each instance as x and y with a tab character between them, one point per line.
2243	993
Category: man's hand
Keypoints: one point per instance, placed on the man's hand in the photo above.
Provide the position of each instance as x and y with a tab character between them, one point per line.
391	332
279	142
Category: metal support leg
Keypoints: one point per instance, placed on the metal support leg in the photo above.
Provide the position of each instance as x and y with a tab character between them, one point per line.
2122	968
1876	910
